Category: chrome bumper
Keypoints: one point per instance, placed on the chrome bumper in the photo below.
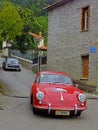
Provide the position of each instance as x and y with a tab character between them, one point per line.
75	109
49	108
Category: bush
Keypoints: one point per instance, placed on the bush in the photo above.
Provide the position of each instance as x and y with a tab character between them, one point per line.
2	90
85	86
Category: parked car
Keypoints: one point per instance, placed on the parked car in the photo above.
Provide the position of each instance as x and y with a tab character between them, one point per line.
54	93
11	63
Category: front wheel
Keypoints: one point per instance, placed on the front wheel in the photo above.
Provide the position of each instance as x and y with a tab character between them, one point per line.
4	68
34	111
31	101
78	114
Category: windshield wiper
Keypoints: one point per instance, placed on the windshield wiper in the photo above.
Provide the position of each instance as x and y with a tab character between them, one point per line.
57	82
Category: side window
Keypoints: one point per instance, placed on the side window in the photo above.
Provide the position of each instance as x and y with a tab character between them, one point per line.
85	20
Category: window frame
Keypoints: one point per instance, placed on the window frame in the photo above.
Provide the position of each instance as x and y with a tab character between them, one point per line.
85	66
85	19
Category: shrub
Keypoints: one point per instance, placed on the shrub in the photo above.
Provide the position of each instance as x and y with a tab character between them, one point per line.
85	86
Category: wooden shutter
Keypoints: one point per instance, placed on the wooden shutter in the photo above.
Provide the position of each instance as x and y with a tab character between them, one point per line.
82	20
85	66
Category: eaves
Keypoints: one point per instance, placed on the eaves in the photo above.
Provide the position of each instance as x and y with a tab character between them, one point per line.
56	5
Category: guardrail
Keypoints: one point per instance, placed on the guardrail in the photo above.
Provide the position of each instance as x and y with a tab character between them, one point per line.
24	62
29	64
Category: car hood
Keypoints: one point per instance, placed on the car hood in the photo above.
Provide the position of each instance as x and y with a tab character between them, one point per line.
59	92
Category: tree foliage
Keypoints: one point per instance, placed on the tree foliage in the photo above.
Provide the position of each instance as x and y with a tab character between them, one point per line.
18	17
35	5
10	21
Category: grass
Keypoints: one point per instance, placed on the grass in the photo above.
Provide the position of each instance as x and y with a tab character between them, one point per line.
1	102
85	86
2	93
2	89
96	93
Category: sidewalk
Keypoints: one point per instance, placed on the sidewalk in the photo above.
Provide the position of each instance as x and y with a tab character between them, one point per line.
91	96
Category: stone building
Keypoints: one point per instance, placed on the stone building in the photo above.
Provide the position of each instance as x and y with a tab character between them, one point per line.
73	39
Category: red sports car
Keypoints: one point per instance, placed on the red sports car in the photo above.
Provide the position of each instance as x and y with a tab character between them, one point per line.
54	93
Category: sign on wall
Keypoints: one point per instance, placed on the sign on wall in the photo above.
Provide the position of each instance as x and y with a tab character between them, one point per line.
92	49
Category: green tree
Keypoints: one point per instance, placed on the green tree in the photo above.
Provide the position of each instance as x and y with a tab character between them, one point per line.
43	24
35	5
10	21
32	18
25	41
33	24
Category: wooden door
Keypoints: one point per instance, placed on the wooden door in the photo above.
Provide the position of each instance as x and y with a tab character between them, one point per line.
85	66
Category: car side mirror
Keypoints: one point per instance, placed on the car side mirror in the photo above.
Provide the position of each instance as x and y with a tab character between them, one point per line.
77	85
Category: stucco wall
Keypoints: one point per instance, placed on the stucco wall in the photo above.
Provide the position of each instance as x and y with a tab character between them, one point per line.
66	42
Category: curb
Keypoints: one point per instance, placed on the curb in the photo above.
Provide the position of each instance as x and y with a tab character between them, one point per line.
91	96
1	107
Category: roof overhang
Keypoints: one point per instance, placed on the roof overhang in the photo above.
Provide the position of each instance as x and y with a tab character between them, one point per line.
43	48
57	4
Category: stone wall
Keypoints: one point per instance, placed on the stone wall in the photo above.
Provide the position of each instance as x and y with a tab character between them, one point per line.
24	62
66	42
29	65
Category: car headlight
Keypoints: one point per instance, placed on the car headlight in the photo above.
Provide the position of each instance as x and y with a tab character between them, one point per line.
82	98
40	95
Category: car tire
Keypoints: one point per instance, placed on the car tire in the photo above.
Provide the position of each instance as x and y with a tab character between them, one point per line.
19	70
31	101
34	111
78	114
4	68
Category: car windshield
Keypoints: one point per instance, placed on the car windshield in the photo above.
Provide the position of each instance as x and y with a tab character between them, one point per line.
12	60
55	78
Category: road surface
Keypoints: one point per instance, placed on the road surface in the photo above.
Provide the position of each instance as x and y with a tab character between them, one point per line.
18	115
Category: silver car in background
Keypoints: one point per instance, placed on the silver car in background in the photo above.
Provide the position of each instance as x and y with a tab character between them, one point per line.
11	63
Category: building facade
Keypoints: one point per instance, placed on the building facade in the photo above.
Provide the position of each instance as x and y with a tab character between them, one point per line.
73	39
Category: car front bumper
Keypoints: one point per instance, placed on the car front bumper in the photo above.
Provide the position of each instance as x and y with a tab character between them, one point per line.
13	67
61	111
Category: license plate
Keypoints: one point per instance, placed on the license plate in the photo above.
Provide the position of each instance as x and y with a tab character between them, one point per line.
63	113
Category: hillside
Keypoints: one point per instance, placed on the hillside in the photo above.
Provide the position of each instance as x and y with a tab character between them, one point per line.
32	18
35	5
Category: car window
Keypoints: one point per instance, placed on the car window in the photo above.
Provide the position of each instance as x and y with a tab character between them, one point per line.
55	78
10	60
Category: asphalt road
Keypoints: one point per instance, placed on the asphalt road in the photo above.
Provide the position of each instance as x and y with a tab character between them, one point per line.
18	82
18	115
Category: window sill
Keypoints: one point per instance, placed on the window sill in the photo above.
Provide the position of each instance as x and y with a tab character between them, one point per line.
84	79
85	30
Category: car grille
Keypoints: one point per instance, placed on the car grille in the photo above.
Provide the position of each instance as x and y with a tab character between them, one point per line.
15	66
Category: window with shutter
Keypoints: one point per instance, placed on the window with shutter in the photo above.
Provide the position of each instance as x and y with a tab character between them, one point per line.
85	20
85	66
